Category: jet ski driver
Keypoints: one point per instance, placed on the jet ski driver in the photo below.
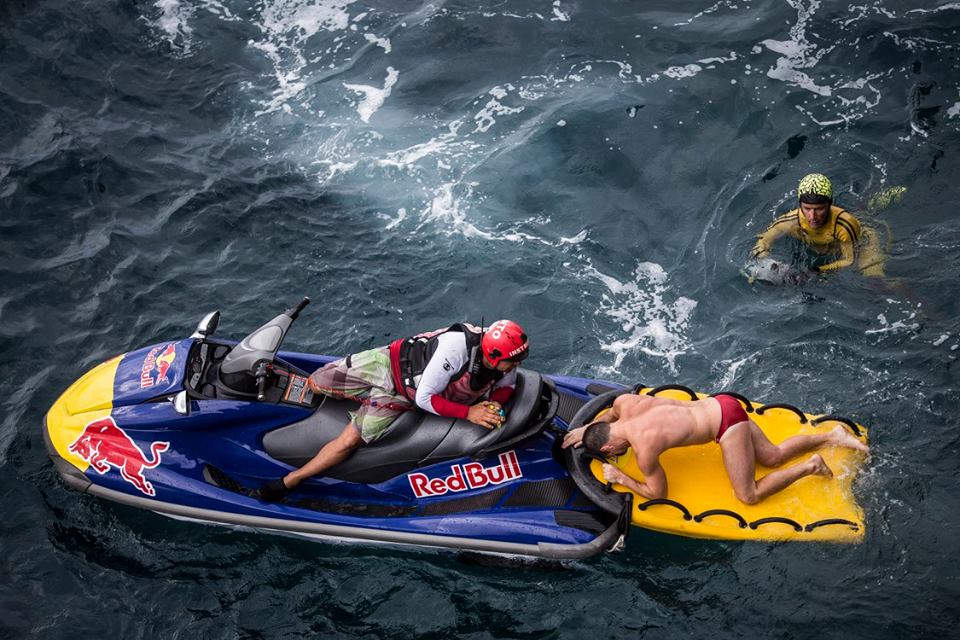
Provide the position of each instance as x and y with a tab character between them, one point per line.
459	372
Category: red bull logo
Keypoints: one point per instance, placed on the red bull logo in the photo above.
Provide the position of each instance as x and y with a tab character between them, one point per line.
156	364
103	444
472	475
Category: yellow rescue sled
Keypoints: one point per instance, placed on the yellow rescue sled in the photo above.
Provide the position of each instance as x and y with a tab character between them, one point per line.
700	501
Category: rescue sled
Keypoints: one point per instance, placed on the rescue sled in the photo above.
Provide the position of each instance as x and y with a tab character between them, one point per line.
700	502
190	428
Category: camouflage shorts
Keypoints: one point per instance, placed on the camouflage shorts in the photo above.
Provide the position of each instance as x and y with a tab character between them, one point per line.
369	380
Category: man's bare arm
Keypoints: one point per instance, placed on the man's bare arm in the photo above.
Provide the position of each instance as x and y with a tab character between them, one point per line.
653	487
611	415
574	437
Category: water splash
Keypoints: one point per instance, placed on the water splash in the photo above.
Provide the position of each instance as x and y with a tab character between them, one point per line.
654	320
373	98
909	321
287	28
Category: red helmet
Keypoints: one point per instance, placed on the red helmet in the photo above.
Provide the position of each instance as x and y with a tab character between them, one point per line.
504	340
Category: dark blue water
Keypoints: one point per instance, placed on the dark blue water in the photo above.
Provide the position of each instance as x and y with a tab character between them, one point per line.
595	170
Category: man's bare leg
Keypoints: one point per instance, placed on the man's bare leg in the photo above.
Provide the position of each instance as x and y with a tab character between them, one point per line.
778	480
740	457
772	455
331	454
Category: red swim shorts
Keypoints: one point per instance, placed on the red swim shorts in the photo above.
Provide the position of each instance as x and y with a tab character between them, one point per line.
731	413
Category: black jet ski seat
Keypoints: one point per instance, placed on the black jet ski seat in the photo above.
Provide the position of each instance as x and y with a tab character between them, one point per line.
414	440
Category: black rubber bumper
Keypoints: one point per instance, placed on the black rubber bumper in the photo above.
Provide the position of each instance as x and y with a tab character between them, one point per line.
578	461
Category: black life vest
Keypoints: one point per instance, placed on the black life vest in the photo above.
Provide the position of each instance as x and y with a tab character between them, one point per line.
467	385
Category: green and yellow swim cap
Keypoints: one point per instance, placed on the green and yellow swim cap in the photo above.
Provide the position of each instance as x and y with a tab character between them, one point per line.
815	188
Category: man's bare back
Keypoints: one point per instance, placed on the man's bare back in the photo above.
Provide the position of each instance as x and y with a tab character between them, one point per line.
670	423
659	423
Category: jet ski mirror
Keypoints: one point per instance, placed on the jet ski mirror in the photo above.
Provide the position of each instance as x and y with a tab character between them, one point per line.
181	403
208	325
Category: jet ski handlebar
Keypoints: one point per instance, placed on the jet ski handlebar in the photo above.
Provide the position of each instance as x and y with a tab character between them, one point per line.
260	373
294	312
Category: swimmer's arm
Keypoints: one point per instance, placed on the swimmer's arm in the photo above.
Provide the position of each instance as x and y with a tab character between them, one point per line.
766	240
847	253
847	233
653	487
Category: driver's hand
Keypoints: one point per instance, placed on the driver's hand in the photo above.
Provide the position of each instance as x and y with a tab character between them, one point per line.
573	438
485	413
501	412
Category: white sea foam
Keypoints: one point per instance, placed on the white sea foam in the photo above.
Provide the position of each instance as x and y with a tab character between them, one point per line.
340	168
906	324
373	97
383	43
730	4
559	15
916	43
729	377
446	210
798	53
577	239
789	68
485	117
287	26
686	71
950	6
173	22
710	62
654	320
444	147
393	222
837	99
298	20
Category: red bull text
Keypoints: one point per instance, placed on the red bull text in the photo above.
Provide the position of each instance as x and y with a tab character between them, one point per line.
156	364
104	444
472	475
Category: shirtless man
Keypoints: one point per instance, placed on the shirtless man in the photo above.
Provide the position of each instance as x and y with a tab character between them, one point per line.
652	425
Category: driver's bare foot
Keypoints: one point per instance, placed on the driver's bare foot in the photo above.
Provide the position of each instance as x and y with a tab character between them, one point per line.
820	467
843	438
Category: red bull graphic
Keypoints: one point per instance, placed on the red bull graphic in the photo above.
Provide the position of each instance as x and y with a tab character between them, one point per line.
156	364
103	444
472	475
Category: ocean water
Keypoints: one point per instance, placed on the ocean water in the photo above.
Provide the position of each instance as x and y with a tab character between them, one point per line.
595	170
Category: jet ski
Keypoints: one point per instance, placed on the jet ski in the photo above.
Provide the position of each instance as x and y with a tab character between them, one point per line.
191	428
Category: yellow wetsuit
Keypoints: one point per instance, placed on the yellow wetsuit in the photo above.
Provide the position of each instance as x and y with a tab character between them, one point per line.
840	235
